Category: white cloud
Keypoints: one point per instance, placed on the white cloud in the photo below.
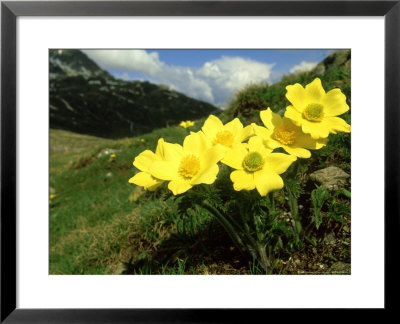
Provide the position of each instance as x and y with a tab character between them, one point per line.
303	66
216	81
123	76
127	60
229	74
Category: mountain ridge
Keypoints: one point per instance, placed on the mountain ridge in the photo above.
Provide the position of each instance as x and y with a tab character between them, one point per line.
88	100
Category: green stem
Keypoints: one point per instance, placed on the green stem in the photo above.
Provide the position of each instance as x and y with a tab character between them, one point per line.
251	244
223	221
265	263
257	250
295	214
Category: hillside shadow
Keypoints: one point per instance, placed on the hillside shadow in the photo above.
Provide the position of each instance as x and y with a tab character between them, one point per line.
209	248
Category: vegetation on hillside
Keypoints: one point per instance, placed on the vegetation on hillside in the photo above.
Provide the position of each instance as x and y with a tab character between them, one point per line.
101	224
88	100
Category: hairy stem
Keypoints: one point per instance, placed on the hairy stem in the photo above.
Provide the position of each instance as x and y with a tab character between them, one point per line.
295	214
263	258
224	222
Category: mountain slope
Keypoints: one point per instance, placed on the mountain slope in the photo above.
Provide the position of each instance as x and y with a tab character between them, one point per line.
334	70
100	224
85	99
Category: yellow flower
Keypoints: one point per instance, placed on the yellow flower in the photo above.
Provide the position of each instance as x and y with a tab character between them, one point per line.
315	111
257	167
143	162
185	166
281	132
52	196
112	156
186	124
229	134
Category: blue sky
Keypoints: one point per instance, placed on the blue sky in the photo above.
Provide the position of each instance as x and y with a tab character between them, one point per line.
210	75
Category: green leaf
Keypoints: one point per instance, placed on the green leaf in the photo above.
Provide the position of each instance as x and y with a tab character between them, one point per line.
318	198
293	186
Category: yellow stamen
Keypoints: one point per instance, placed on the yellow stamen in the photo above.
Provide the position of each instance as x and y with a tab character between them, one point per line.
314	112
286	134
253	162
189	166
224	137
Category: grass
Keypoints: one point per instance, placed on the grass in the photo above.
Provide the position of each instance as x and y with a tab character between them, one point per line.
101	224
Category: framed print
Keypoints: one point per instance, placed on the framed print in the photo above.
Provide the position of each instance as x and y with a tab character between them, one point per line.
70	194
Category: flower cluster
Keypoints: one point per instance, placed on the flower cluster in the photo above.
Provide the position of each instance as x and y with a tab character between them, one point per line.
249	150
186	124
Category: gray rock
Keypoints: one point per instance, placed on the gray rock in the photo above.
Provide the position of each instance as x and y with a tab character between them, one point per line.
333	178
330	239
340	268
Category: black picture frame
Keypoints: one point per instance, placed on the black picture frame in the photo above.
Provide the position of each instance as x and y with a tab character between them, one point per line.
11	10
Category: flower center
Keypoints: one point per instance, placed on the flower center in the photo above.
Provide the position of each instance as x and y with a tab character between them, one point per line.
224	137
189	166
286	134
314	112
253	162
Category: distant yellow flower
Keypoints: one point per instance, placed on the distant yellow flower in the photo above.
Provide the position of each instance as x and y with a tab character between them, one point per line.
185	166
112	156
142	140
143	162
281	132
229	134
257	167
315	111
187	123
52	196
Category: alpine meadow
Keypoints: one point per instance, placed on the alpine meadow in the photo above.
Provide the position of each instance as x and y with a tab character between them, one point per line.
146	178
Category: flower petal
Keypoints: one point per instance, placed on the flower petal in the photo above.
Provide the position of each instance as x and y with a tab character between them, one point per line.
316	129
234	156
314	91
179	186
278	162
165	170
337	124
297	96
242	180
172	152
160	148
234	126
144	160
244	134
269	142
321	142
196	143
325	127
267	182
261	131
293	115
154	187
270	119
207	176
145	180
306	141
334	103
208	162
211	127
256	145
297	151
